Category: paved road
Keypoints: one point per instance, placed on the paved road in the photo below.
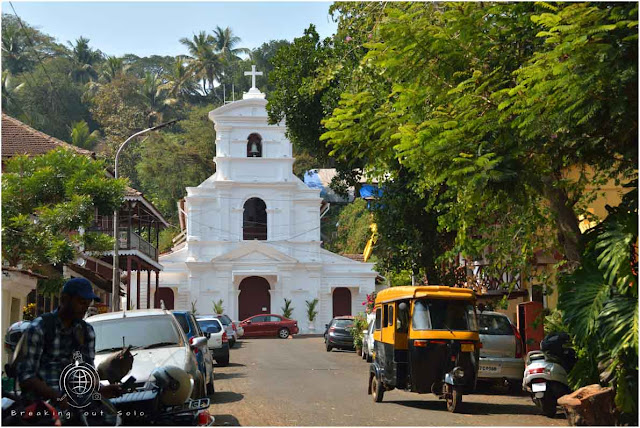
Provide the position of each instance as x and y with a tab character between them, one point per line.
296	382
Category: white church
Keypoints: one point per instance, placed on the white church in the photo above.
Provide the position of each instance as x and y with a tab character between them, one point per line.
253	231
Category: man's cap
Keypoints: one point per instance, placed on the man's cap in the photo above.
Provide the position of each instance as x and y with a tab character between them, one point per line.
79	287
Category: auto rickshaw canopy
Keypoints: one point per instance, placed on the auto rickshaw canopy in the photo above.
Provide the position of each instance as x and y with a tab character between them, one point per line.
392	294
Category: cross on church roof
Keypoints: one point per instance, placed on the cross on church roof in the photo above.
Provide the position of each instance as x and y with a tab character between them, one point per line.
253	73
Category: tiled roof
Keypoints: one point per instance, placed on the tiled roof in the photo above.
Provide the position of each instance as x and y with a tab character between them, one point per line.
355	257
20	139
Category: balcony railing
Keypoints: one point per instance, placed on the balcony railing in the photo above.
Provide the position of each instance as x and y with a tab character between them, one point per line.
129	240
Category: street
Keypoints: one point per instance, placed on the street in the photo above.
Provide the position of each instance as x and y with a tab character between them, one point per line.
296	382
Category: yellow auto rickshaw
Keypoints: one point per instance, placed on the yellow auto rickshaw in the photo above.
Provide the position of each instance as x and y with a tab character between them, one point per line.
425	340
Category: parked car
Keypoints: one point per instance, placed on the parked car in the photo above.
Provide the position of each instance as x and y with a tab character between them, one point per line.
230	328
192	330
501	356
218	339
269	325
367	343
157	340
337	334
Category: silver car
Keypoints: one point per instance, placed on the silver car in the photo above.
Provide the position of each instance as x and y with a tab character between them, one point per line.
501	356
156	339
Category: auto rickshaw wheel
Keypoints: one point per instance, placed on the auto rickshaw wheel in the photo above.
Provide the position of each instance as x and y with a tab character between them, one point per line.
454	399
377	389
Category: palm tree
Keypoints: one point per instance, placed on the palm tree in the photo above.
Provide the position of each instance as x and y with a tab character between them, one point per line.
113	67
10	92
204	62
155	93
225	44
180	83
84	59
81	137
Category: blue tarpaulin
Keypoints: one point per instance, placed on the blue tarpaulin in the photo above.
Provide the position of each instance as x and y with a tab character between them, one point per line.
370	191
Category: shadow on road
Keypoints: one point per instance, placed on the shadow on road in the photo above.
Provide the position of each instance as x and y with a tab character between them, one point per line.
222	375
226	420
469	408
226	397
233	365
237	345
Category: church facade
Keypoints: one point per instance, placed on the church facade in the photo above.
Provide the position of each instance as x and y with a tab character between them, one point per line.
253	231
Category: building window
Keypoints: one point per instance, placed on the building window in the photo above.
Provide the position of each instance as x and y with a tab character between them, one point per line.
254	146
254	220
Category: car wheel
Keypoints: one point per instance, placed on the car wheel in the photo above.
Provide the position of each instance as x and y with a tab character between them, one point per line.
329	347
232	342
223	362
211	389
199	390
364	354
369	358
283	333
377	389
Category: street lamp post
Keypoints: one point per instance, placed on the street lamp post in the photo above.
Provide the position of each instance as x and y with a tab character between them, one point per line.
115	286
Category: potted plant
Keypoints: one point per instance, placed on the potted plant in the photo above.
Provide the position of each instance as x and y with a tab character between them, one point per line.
287	310
311	313
218	309
357	331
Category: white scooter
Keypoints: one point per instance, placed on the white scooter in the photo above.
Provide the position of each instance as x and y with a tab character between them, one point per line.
545	374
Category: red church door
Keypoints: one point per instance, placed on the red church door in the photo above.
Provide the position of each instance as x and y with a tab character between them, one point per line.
254	298
166	295
341	302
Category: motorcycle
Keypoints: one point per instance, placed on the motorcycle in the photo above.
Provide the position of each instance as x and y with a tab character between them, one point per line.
545	374
163	401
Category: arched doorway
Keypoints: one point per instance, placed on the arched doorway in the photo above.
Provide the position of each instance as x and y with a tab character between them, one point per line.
254	298
165	294
341	302
254	220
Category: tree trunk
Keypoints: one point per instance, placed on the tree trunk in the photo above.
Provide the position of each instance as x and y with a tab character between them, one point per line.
569	233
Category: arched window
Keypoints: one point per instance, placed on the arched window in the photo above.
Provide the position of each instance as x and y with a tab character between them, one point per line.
254	220
254	146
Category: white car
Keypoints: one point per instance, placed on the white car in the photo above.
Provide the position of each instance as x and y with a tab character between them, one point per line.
156	340
367	343
231	328
218	339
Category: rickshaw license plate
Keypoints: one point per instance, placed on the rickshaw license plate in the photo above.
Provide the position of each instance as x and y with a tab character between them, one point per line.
467	347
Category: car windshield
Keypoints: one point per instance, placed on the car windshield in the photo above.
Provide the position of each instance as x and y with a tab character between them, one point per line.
223	320
495	325
453	315
139	332
210	326
182	320
343	323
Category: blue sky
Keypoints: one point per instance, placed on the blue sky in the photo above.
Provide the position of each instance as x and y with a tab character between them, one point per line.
154	28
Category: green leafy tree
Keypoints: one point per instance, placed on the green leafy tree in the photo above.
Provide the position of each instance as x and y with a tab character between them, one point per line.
599	304
184	157
50	100
23	46
435	92
47	200
353	230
